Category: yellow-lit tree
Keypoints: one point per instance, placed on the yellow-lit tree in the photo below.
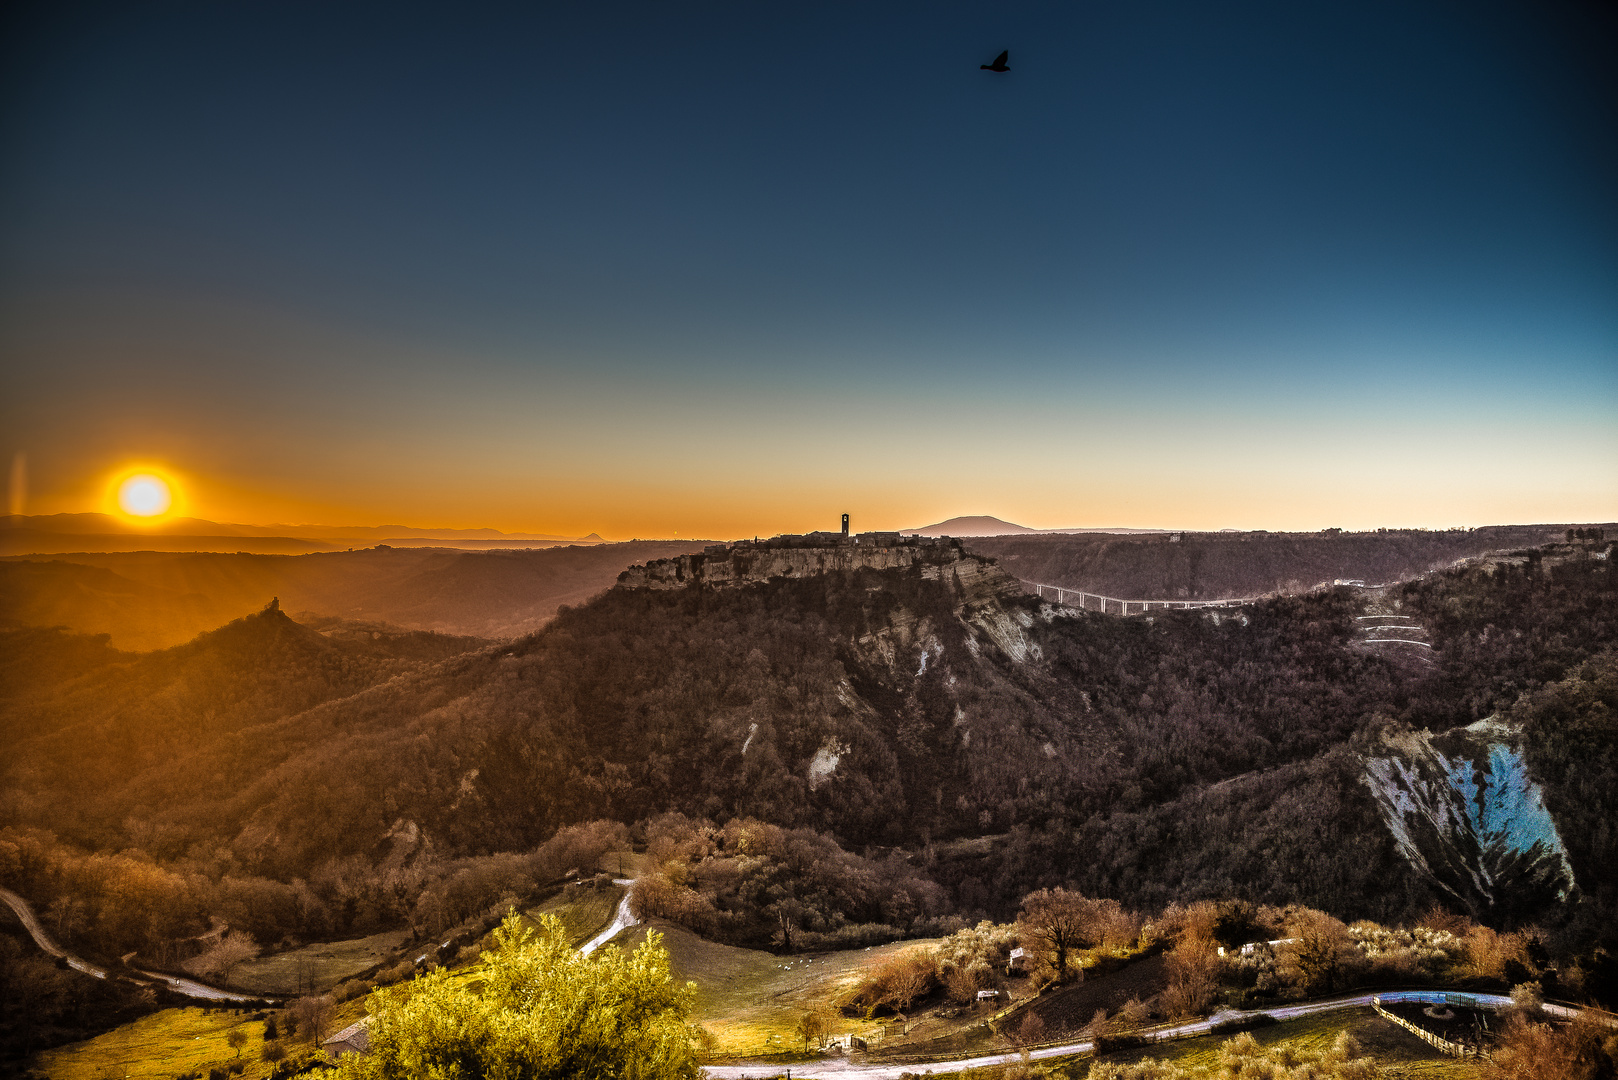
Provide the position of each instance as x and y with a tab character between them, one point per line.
535	1010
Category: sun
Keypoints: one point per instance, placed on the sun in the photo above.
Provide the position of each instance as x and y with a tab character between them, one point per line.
144	496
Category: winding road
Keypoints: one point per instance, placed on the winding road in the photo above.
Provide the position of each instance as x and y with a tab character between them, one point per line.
188	987
622	921
837	1067
846	1070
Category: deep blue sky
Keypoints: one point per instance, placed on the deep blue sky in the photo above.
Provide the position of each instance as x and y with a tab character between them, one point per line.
727	268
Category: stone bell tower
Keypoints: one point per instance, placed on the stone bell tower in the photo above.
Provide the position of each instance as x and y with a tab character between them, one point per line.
845	526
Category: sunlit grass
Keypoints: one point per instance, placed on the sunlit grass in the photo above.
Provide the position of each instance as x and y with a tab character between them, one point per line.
584	914
165	1044
1387	1043
750	1001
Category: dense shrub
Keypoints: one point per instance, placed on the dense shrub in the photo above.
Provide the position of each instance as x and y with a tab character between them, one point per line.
895	984
1242	1058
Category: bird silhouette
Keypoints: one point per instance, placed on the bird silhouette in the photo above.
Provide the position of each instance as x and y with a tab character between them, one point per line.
999	63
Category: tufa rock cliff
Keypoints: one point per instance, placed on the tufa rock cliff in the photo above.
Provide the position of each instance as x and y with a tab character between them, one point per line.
798	557
1465	812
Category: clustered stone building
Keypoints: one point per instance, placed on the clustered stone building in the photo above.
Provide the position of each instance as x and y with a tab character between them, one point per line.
797	556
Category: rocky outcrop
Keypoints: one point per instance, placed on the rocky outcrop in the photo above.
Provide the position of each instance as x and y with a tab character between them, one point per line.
1466	814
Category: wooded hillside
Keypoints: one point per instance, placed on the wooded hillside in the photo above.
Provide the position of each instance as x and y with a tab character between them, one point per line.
1204	566
1183	755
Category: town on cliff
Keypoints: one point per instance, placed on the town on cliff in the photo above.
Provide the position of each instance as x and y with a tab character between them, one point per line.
803	555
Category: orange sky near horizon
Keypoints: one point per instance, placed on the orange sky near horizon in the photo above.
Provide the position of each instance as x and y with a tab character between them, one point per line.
681	498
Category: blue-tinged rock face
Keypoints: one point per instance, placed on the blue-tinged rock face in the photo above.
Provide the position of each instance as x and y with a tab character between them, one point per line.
1463	809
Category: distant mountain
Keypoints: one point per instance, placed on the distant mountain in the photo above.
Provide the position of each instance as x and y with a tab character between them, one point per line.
985	525
65	533
155	599
980	525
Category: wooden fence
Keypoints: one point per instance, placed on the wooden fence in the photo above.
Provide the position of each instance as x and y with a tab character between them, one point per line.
1453	1049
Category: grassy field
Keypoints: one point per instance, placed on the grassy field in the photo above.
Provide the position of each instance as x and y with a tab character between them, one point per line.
165	1044
584	914
749	1002
315	968
1402	1055
177	1041
623	864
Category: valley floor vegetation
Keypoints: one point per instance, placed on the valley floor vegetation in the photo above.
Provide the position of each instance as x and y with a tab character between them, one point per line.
820	764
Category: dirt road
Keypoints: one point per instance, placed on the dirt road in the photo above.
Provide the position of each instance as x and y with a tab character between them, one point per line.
188	987
845	1070
621	921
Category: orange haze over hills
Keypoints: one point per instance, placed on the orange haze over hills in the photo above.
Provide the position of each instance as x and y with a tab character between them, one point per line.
679	502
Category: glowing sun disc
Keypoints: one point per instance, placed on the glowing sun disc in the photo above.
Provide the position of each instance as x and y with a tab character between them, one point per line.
144	495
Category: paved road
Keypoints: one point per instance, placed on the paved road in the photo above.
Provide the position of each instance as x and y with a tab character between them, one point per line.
188	987
622	921
844	1070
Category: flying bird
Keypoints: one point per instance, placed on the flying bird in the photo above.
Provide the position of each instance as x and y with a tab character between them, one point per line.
999	63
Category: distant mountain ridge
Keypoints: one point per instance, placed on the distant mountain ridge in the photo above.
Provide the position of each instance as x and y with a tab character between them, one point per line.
988	525
155	599
108	524
22	534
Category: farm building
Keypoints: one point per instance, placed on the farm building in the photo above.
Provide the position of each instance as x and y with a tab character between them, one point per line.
354	1039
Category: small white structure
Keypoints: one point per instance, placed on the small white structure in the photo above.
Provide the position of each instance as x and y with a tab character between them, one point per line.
988	995
1019	956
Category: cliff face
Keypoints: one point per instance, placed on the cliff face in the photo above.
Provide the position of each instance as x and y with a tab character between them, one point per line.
745	563
1466	814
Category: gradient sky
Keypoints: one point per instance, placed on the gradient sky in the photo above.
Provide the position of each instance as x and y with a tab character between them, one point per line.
725	269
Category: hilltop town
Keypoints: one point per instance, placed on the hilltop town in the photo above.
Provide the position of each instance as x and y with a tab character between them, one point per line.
809	554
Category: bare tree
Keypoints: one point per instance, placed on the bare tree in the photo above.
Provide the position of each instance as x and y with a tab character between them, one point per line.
218	961
313	1015
1060	920
1316	952
812	1026
1193	970
67	916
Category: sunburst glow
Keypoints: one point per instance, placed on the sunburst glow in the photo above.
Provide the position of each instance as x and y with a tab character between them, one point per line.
145	496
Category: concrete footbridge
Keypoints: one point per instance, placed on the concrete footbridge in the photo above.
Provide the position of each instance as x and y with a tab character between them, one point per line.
1113	605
